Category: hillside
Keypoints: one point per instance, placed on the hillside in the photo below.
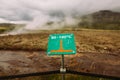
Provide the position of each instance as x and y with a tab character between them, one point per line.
103	19
9	26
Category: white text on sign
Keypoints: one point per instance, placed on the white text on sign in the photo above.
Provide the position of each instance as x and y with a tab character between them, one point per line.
61	37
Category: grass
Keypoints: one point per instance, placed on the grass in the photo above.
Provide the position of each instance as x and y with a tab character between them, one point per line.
3	28
102	41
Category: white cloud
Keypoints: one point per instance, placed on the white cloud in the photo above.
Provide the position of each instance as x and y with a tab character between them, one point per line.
26	9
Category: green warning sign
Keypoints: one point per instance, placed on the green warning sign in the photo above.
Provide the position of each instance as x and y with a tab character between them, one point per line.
59	44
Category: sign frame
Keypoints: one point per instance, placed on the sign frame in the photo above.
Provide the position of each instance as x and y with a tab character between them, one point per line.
61	44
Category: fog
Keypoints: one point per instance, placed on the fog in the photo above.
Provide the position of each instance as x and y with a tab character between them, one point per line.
52	14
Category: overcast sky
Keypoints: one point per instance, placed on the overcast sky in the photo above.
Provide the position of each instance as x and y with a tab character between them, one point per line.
29	9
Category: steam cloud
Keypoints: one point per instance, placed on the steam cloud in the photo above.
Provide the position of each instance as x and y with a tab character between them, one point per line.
52	14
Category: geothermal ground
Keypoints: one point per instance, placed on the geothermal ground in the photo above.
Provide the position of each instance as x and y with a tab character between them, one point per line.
98	51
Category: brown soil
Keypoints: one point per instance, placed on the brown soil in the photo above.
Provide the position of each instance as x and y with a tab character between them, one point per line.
21	62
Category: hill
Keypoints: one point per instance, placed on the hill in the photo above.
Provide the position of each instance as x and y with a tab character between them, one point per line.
9	26
104	19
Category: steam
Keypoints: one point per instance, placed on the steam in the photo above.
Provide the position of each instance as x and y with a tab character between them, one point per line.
45	22
51	14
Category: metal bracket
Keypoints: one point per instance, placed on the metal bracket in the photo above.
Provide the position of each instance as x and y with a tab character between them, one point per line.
62	70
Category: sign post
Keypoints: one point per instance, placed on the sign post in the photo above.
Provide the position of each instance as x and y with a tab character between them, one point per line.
62	69
62	65
61	44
